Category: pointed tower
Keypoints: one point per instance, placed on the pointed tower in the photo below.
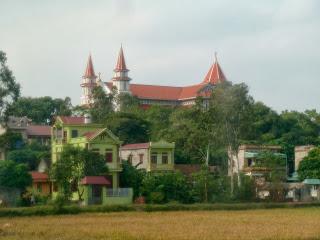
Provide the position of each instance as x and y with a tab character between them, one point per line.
89	81
121	80
215	74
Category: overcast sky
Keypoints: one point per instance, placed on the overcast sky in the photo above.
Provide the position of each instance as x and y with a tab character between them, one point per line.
271	45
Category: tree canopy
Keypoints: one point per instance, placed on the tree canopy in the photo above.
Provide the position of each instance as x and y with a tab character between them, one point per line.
9	88
14	175
309	167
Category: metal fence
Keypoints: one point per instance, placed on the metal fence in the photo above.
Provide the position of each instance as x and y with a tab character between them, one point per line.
118	192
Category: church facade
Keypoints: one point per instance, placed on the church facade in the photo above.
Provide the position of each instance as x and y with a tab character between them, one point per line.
149	94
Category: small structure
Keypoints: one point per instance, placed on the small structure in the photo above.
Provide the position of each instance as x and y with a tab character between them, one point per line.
313	188
299	153
41	183
151	156
28	131
247	158
96	190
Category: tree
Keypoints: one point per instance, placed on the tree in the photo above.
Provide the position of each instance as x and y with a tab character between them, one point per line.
102	105
72	166
9	89
309	167
42	109
165	187
28	157
203	184
129	127
132	177
231	106
14	175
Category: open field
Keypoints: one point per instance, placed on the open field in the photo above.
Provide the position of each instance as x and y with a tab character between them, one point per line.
301	223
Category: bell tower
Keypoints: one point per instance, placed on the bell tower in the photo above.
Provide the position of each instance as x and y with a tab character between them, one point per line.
89	81
121	80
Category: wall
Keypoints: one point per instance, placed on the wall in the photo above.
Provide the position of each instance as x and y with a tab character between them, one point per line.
299	153
124	155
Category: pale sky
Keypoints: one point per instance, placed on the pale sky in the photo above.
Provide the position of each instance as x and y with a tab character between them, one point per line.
271	45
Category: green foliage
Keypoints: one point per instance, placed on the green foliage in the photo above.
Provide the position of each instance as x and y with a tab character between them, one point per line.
129	127
102	105
130	177
247	191
72	166
42	109
166	187
309	167
11	140
9	89
26	156
14	175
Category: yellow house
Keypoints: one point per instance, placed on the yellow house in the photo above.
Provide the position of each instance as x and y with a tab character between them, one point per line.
151	156
80	132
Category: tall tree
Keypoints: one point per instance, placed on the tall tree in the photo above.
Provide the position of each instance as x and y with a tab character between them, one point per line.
309	167
103	104
231	105
73	165
9	89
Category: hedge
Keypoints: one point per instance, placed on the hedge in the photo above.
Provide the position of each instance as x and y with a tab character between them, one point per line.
74	209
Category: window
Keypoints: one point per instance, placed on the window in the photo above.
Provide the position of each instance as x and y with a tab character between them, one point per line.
96	150
164	158
65	135
141	157
39	188
250	162
74	133
154	158
108	155
130	158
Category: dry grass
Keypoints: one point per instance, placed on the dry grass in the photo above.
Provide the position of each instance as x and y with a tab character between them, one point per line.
250	224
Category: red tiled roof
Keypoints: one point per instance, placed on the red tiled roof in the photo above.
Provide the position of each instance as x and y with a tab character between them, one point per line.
39	177
89	73
38	130
72	120
92	134
121	63
136	146
96	180
215	74
172	93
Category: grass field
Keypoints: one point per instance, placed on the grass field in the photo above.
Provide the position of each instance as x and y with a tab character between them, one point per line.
301	223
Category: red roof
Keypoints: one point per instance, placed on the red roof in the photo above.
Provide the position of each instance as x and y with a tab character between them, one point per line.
172	93
89	73
121	63
72	120
215	74
96	180
39	176
38	130
135	146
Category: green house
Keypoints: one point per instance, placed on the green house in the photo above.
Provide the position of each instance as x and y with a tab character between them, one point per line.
80	132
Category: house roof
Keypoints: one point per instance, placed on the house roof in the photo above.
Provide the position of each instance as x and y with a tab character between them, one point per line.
311	181
121	63
72	120
39	176
215	74
38	130
89	73
136	146
96	180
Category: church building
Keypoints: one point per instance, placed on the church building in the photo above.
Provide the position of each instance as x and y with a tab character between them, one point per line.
149	94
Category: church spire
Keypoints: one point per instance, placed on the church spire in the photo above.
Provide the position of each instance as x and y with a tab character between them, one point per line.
215	74
89	73
121	63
